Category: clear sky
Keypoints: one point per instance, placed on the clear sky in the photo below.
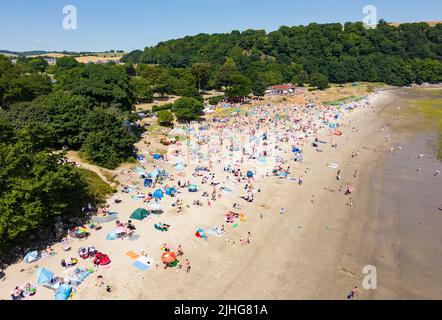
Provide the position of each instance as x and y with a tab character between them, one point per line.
134	24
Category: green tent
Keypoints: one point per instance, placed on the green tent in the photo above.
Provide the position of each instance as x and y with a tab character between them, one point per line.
140	214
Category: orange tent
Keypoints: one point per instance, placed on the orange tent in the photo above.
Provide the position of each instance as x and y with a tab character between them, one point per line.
168	257
338	133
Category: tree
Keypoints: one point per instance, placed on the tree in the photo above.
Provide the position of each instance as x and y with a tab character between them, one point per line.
165	118
65	63
202	72
319	81
142	89
225	73
241	87
104	85
38	65
107	143
35	187
188	109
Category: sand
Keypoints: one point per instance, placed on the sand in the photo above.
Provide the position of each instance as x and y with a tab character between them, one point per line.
313	251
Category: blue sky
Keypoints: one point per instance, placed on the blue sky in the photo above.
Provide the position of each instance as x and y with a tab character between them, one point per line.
134	24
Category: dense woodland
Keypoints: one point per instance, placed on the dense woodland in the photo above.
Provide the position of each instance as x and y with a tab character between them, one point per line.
315	54
89	108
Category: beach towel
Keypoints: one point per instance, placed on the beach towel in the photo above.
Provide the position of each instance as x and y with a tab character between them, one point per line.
143	263
133	254
216	231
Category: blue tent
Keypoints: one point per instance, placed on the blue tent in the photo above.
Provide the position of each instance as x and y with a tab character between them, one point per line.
249	174
158	194
296	150
31	256
332	125
140	157
193	188
169	191
148	182
63	292
157	156
44	276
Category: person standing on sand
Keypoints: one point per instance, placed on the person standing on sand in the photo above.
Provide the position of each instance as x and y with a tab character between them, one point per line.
353	294
187	266
249	235
350	203
313	199
356	174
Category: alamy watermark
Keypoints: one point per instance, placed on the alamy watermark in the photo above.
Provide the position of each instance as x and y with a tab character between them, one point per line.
70	18
371	16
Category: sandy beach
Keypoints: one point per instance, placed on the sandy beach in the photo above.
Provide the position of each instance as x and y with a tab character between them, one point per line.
316	249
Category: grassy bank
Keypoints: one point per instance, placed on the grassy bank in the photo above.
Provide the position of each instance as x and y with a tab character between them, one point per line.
97	188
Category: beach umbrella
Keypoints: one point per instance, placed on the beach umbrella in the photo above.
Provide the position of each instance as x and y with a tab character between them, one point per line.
158	194
193	188
168	257
31	256
338	133
148	182
44	276
249	174
156	156
296	150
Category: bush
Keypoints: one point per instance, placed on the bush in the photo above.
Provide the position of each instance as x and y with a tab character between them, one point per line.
165	118
188	109
166	106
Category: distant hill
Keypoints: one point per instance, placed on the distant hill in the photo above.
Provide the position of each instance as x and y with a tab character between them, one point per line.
430	23
57	54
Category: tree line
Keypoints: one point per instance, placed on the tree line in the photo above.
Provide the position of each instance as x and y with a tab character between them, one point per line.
249	61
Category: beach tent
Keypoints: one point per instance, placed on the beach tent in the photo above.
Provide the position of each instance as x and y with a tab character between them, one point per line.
249	174
63	292
200	234
31	257
156	156
168	257
140	214
148	182
171	190
44	276
331	125
158	194
296	150
193	188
